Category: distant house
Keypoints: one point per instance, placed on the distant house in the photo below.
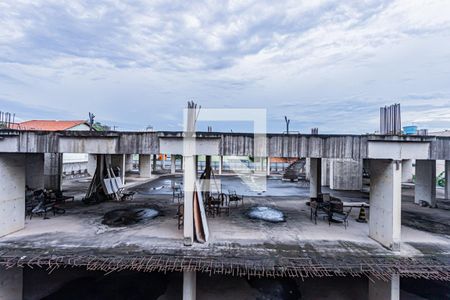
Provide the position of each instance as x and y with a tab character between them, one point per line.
52	125
73	164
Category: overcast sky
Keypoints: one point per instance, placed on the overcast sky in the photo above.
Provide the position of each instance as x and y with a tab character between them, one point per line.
326	64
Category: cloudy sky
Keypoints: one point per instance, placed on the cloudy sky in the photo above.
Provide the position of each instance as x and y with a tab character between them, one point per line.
327	64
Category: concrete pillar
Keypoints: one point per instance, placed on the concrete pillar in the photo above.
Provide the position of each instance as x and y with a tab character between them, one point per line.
145	166
315	177
118	163
189	285
385	290
268	165
12	193
153	164
385	202
220	164
173	162
307	168
425	188
35	171
53	171
346	174
447	179
129	162
326	162
11	284
92	164
407	170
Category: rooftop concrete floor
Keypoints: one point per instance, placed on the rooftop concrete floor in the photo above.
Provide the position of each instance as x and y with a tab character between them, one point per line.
80	231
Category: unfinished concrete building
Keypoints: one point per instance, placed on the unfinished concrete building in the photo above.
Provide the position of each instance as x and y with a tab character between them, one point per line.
382	249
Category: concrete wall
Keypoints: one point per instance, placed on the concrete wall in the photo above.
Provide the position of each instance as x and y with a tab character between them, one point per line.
385	202
34	170
12	193
11	284
346	174
145	165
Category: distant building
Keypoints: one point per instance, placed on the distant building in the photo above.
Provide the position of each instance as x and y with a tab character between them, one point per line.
73	164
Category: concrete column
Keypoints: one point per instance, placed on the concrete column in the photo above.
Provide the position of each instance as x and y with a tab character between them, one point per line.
173	162
189	183
326	164
92	164
145	166
11	284
268	165
53	171
315	177
385	202
12	193
447	179
307	168
153	164
118	162
346	174
385	290
35	171
129	162
189	285
407	170
220	164
425	189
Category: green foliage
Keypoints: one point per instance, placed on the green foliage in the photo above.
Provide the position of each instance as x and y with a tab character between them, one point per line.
100	127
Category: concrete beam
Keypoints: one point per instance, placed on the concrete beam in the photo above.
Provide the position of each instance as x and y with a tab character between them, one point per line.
315	184
425	187
12	193
145	166
189	285
11	284
385	290
385	202
447	179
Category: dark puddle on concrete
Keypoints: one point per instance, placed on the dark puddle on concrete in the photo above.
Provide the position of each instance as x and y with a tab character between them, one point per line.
265	213
129	216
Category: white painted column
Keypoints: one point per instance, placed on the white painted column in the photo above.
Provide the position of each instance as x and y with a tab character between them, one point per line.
315	177
220	164
307	168
35	171
425	188
11	284
145	166
385	202
407	170
268	165
385	290
12	193
188	184
173	162
189	285
447	179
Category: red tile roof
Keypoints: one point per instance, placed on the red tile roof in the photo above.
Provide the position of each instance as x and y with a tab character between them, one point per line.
49	125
